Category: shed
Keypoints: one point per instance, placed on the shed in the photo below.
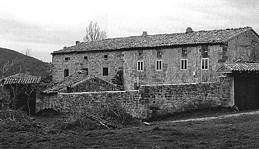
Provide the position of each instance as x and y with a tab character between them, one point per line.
245	83
22	91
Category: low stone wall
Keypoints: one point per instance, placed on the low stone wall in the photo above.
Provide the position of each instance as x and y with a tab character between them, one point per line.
171	98
93	102
162	99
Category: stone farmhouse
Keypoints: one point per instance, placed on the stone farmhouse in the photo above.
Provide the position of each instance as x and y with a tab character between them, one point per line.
189	57
159	74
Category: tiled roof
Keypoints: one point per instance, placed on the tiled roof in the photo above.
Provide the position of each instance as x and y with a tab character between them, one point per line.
229	68
21	78
74	80
159	40
67	81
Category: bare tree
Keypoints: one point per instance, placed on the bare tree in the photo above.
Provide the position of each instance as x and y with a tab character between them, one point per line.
4	96
93	32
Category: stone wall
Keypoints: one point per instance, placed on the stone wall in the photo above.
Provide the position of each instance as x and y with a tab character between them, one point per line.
171	72
95	63
163	99
171	98
93	102
243	48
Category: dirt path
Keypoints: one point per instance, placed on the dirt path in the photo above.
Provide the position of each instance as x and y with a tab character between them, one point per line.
214	117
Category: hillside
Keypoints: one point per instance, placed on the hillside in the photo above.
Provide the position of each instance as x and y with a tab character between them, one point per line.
22	63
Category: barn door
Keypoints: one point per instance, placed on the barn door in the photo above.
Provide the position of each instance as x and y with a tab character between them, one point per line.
246	91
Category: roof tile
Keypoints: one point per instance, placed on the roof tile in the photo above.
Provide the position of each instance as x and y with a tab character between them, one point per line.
159	40
21	78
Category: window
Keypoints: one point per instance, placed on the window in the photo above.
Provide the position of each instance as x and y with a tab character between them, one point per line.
159	65
86	58
184	52
204	52
85	70
140	52
67	59
159	54
140	66
205	63
184	64
105	57
66	72
105	71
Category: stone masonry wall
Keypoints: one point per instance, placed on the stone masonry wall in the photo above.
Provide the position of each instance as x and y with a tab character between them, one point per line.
171	72
95	63
243	48
167	99
163	99
94	101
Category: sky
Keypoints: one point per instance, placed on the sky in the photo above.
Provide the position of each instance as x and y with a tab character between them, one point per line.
44	26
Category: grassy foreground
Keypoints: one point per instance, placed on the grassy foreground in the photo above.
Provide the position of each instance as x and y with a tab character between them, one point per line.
235	132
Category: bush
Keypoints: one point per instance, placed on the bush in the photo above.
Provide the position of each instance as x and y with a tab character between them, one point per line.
117	115
76	122
15	120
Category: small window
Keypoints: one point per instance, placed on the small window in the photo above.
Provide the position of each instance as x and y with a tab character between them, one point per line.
204	52
184	52
67	59
159	65
205	63
140	52
66	72
105	71
105	57
159	54
140	66
85	70
184	64
86	58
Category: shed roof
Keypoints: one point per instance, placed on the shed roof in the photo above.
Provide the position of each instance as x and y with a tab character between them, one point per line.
73	80
235	67
158	40
21	78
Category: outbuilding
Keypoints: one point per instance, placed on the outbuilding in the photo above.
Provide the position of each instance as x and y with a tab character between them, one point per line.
245	84
22	90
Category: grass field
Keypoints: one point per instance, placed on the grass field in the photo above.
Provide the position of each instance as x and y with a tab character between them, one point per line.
235	132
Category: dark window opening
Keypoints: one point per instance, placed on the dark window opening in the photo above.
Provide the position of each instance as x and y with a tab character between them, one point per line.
159	54
67	58
105	57
66	72
140	52
86	58
184	52
105	71
204	52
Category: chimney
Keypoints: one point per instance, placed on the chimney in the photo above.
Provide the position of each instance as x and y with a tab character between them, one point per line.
188	30
77	42
144	33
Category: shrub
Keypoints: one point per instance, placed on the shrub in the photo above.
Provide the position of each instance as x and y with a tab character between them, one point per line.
15	120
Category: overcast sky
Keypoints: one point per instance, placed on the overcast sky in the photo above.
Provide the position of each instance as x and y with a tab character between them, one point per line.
44	26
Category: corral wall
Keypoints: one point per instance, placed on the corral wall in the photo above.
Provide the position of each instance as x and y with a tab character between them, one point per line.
94	101
142	103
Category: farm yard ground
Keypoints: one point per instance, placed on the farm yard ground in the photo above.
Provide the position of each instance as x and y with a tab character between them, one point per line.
232	132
